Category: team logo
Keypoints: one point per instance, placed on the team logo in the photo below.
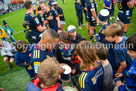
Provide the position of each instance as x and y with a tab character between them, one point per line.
36	20
36	66
93	80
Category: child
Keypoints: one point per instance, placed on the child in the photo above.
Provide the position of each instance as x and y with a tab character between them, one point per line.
130	73
6	50
79	14
107	5
9	31
91	78
65	53
43	50
74	36
3	34
27	33
102	53
48	74
61	15
22	56
103	18
114	33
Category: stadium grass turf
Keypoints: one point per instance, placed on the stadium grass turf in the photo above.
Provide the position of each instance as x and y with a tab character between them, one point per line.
17	78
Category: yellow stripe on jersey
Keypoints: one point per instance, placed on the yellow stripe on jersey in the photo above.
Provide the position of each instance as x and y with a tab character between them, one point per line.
34	54
38	53
81	79
84	80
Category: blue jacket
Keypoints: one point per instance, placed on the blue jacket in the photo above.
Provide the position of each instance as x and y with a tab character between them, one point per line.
78	9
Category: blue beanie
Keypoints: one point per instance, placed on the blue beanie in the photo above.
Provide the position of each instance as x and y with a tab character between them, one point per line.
4	22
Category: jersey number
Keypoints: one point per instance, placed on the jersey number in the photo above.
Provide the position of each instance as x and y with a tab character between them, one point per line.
119	5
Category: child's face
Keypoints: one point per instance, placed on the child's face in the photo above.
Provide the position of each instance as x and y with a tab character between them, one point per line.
132	53
73	34
110	39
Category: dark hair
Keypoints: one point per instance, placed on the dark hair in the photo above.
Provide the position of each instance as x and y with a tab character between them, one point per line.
39	8
21	45
131	42
102	51
53	33
28	4
64	37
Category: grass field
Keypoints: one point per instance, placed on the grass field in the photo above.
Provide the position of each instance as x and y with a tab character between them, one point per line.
17	78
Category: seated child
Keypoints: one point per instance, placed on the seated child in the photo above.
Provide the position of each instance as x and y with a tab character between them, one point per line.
48	74
114	33
75	38
22	56
91	78
129	74
102	53
6	50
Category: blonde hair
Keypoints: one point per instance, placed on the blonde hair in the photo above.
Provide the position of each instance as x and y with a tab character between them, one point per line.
114	29
48	72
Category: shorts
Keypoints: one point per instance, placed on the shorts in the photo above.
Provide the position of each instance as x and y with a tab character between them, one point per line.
62	23
124	17
92	23
9	57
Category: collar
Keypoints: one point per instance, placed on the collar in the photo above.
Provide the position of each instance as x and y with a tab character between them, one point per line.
38	47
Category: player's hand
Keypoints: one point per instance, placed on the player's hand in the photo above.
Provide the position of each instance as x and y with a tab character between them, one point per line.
85	9
50	17
118	75
97	21
59	31
118	83
30	54
73	71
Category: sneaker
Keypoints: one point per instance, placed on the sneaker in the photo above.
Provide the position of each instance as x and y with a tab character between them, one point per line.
79	27
10	66
110	18
82	24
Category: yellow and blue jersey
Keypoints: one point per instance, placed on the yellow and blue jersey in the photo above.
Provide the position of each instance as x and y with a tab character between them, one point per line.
92	80
38	56
40	18
32	24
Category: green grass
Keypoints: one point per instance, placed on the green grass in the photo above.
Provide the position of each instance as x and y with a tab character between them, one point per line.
17	78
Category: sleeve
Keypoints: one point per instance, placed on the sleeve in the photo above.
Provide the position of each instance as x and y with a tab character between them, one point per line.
119	56
55	13
58	55
17	60
60	11
77	65
36	21
122	88
12	30
92	5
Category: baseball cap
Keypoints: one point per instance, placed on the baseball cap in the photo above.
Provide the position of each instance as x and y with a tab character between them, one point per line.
71	28
104	15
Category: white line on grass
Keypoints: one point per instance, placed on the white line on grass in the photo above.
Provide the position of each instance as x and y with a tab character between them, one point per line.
18	32
6	18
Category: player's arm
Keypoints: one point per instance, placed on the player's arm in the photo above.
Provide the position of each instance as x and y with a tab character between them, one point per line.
58	21
122	67
94	15
130	4
40	28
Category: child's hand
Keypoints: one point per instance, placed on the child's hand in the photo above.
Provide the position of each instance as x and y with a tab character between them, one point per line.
118	83
30	54
118	75
73	71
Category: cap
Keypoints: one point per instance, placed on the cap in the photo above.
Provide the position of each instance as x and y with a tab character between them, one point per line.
103	15
53	3
4	22
71	28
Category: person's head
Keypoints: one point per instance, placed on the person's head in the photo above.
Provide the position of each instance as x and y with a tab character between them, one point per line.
64	39
24	24
55	4
5	23
29	5
103	15
21	46
39	8
45	7
49	39
48	72
131	45
72	30
102	51
87	55
114	31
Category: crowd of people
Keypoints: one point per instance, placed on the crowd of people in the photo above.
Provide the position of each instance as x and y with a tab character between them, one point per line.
54	55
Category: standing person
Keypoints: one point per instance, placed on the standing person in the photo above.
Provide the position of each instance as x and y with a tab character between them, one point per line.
125	12
22	56
33	24
43	50
113	9
107	5
60	14
129	75
91	78
51	17
79	14
9	31
92	13
6	50
102	53
122	60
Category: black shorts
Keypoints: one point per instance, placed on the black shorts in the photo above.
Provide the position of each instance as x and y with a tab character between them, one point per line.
9	57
